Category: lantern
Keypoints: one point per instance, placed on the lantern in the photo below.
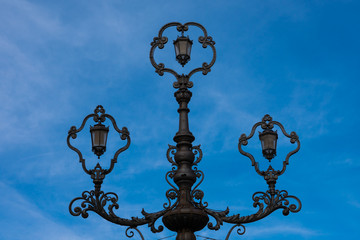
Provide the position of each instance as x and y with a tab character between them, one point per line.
183	49
99	135
268	140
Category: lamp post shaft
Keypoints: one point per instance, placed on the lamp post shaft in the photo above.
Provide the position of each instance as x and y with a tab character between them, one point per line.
184	157
185	218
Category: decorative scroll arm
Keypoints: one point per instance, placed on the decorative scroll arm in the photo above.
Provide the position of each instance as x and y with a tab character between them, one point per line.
279	200
98	203
218	216
266	202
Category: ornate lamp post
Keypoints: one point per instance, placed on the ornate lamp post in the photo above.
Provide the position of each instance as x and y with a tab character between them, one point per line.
184	212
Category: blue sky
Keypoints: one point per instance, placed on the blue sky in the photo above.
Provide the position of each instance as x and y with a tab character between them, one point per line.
296	60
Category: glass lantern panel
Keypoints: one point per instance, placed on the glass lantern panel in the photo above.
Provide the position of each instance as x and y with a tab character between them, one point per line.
188	50
183	46
268	141
99	136
177	52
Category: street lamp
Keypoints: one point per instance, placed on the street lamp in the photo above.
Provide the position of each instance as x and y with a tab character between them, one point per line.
185	212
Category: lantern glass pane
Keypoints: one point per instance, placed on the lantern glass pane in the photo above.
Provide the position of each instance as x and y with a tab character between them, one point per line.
183	46
268	141
93	138
177	52
98	138
103	137
188	50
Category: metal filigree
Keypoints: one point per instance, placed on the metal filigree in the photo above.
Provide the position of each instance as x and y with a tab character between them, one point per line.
173	193
171	150
268	123
218	216
161	40
197	194
266	202
130	233
104	204
197	150
124	135
240	231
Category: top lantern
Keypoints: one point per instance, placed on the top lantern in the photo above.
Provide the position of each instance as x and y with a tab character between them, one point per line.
183	49
268	140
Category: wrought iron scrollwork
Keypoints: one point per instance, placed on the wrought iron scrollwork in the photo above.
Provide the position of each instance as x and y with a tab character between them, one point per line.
171	150
218	216
130	233
104	204
266	202
197	194
161	40
268	123
197	150
99	116
240	231
173	193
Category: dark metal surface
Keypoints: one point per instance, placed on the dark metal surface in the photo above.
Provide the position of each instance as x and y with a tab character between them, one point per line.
185	212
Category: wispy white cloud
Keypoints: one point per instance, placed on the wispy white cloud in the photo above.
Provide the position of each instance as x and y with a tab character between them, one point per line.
288	229
258	232
20	213
350	162
36	93
354	203
310	110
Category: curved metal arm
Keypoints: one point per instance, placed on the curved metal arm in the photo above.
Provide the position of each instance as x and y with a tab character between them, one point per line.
273	202
161	40
91	201
124	135
268	123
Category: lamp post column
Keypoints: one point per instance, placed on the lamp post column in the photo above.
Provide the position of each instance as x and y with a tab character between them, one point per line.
184	157
185	219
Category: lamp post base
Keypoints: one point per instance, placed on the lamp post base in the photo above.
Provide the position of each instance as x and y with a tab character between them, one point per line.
185	221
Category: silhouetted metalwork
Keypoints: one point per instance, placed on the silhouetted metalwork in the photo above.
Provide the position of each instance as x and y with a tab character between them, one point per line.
184	212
